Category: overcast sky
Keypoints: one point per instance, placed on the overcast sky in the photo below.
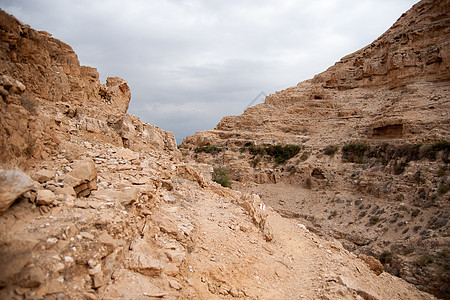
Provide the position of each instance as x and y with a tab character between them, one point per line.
191	62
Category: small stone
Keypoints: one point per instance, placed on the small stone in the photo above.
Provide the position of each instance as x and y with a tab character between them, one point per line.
234	292
92	263
43	175
52	241
145	264
66	190
68	259
174	284
45	197
169	198
32	277
59	267
171	269
90	296
97	280
87	235
97	269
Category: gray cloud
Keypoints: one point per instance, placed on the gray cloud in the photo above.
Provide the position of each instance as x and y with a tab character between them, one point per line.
191	62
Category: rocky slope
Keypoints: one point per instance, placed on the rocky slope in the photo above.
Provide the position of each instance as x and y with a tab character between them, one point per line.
98	205
359	152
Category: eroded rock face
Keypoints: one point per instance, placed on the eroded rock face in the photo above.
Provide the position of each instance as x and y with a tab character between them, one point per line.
48	98
382	193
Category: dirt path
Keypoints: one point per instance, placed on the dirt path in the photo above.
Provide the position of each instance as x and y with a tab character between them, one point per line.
232	258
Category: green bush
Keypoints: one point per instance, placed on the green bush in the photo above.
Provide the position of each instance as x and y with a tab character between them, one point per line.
330	150
220	175
408	151
255	162
385	257
308	183
211	149
354	152
256	150
282	153
304	156
374	220
443	189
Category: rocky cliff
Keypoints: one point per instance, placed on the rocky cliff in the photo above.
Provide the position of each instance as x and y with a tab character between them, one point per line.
49	99
359	152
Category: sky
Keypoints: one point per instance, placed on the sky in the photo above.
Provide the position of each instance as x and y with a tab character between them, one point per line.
191	62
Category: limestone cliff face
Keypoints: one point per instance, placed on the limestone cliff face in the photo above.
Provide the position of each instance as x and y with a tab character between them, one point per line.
401	80
415	48
48	99
390	100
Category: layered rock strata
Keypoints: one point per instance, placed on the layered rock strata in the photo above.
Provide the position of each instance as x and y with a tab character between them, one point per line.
374	136
48	99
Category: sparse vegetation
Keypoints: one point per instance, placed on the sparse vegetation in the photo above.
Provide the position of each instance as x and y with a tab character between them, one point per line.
374	220
443	189
220	175
211	149
256	150
304	156
385	257
255	162
408	250
443	253
354	152
308	183
402	154
424	260
281	154
399	168
415	212
430	151
330	150
441	172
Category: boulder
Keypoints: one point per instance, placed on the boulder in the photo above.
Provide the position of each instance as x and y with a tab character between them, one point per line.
43	175
124	196
256	208
145	264
66	190
83	177
189	173
373	263
13	184
45	197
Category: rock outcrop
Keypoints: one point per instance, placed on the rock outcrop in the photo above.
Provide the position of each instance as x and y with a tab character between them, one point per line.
48	99
371	140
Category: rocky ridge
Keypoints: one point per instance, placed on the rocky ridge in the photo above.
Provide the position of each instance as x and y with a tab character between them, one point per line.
101	205
372	138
